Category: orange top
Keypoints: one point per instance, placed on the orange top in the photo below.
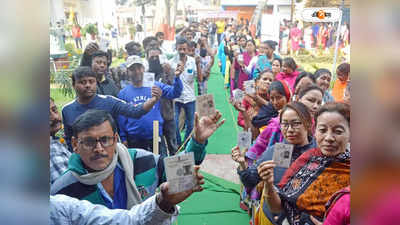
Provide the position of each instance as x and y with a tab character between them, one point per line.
338	90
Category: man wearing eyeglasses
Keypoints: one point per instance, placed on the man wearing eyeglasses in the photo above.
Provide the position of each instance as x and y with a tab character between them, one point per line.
105	172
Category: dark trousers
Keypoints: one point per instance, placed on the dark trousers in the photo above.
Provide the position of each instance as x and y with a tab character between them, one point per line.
169	132
133	142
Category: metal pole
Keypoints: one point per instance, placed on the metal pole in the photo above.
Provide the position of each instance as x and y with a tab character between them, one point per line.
144	20
337	44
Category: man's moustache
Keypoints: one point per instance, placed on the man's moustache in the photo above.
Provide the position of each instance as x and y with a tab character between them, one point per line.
98	156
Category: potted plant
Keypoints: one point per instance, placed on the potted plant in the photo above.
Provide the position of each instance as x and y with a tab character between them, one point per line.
92	30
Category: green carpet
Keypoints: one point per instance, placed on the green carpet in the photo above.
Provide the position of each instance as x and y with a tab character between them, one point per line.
218	204
225	137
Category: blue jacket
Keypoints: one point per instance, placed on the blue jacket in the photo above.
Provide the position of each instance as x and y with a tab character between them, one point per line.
103	102
143	128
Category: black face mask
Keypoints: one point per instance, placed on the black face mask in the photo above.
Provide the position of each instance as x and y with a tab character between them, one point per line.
203	52
155	65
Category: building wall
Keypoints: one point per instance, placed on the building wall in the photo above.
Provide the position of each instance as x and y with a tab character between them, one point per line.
245	12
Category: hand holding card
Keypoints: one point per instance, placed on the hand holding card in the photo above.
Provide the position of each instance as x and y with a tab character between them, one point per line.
282	154
250	87
180	174
148	79
205	105
244	140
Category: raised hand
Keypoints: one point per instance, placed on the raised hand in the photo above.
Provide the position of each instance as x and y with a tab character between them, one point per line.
206	126
237	156
238	106
156	92
266	172
91	48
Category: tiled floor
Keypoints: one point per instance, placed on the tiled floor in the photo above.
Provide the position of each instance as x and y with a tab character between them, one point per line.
221	166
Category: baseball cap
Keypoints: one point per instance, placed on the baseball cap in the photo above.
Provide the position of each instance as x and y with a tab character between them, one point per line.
134	59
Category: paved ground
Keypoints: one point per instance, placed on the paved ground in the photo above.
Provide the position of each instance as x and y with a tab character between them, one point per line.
221	166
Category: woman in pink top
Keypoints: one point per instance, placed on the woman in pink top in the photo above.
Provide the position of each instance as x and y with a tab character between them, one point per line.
338	208
289	72
241	65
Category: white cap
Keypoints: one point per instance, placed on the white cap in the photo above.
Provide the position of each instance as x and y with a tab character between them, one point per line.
134	59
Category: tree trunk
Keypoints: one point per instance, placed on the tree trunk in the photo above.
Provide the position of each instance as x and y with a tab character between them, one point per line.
168	12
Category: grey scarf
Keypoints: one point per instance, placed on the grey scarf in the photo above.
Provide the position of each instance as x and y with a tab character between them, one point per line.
121	154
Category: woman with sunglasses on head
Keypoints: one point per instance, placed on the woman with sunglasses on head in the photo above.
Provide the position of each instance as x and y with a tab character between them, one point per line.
296	126
317	174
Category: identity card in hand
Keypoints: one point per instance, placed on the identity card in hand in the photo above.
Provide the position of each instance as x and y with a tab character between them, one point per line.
238	95
250	86
180	172
205	105
282	154
148	79
244	139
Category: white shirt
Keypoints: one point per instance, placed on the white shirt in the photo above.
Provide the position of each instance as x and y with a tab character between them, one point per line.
187	77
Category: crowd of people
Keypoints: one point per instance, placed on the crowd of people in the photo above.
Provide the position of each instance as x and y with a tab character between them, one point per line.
106	167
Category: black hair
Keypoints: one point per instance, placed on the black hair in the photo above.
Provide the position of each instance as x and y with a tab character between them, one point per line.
303	113
279	60
344	68
338	107
290	62
321	71
301	76
131	44
82	71
252	41
159	34
277	86
241	37
91	118
181	41
303	91
271	44
147	40
99	53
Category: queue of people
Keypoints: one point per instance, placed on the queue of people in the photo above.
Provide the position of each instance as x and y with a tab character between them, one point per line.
106	164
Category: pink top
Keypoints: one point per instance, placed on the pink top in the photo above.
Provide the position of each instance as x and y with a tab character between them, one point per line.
340	212
289	78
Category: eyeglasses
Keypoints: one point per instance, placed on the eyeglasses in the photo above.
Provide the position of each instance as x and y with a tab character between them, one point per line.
294	125
90	143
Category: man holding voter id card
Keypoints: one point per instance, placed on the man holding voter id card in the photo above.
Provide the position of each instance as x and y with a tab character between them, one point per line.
138	133
185	66
104	171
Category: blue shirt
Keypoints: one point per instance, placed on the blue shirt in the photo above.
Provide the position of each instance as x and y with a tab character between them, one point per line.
143	128
104	102
120	196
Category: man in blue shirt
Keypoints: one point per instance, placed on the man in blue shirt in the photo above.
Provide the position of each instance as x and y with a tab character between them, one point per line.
84	83
137	133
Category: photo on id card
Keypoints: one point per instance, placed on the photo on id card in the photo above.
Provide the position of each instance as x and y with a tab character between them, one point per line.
205	105
238	95
244	140
148	79
250	87
179	170
282	154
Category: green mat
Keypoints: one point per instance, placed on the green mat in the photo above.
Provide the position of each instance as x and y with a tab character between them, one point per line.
218	204
226	136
